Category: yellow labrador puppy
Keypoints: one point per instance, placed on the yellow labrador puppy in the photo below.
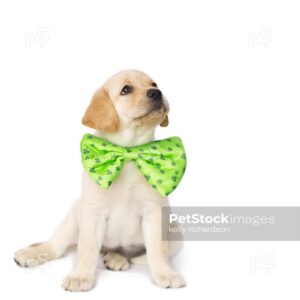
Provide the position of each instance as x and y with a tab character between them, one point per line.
124	221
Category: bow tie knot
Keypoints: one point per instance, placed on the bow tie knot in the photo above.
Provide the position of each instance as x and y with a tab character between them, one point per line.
129	154
162	162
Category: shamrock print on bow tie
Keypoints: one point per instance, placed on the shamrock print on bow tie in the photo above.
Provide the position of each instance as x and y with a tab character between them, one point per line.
162	162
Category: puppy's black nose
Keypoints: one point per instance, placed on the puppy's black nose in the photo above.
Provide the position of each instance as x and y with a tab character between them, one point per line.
154	94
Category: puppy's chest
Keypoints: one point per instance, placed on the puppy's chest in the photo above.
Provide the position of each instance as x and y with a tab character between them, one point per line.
123	204
129	190
123	227
125	209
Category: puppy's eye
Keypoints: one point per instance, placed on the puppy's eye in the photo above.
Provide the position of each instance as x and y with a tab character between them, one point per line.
154	84
126	90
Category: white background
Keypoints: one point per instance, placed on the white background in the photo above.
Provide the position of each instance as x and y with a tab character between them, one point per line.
230	70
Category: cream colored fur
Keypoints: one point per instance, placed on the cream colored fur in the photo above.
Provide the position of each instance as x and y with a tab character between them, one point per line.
127	215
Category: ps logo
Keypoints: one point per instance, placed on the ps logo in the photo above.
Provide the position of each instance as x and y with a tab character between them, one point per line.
38	38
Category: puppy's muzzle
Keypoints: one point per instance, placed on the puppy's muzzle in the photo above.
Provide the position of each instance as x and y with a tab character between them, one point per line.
155	95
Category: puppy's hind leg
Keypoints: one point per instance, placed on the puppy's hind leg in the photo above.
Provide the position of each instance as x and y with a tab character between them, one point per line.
64	237
115	261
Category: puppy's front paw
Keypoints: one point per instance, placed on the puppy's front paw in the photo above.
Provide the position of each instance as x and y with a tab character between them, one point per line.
34	255
78	282
115	261
169	280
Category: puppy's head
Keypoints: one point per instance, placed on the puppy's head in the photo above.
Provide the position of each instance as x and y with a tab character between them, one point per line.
129	98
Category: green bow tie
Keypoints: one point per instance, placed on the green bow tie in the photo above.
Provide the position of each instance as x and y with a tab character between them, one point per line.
162	162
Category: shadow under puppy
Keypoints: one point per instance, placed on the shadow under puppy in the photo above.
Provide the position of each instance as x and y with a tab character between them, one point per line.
121	217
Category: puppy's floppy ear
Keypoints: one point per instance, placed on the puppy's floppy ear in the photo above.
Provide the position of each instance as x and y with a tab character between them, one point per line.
101	114
165	122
